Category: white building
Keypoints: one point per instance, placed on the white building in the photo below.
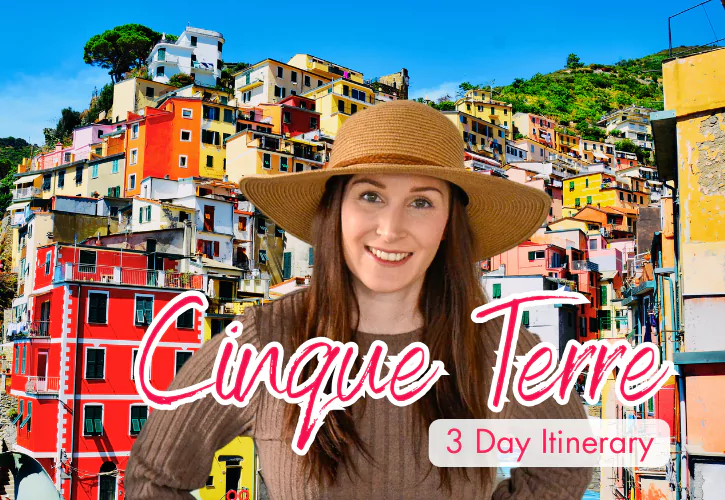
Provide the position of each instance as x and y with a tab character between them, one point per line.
633	121
211	205
555	325
197	52
270	81
515	153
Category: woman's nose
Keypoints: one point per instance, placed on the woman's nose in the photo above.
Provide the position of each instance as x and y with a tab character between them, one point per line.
391	224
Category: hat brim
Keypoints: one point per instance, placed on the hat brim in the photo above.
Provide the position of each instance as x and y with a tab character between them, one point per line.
502	213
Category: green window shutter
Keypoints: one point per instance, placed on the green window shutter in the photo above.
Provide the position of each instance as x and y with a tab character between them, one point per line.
24	349
589	200
140	215
287	267
532	255
497	290
526	319
571	186
604	295
577	202
89	426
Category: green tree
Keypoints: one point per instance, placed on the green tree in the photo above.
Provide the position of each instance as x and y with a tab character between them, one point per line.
181	80
643	156
102	103
120	49
69	119
573	62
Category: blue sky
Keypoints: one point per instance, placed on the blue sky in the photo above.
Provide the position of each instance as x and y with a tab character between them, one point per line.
441	45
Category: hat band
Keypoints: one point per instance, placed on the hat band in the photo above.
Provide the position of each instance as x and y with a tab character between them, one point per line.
391	158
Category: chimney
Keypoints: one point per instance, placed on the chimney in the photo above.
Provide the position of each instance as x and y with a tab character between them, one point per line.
58	146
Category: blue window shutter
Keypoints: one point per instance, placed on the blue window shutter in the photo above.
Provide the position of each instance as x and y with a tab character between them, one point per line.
312	257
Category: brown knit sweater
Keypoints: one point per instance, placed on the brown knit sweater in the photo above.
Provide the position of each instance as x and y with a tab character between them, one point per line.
174	452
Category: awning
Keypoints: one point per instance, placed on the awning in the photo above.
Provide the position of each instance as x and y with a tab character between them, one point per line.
27	178
17	206
303	141
599	154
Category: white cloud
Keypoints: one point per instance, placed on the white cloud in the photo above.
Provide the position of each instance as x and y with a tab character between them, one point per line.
30	103
433	93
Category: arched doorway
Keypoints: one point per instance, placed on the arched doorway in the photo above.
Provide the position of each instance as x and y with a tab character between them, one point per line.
107	482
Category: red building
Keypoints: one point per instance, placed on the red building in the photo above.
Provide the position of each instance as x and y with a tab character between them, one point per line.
73	371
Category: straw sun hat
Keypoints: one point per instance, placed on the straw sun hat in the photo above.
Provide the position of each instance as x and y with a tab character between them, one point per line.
404	137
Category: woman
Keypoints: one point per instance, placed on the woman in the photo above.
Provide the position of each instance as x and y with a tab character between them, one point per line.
397	224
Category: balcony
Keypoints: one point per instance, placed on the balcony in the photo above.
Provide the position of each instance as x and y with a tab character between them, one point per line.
618	227
254	286
113	275
24	193
584	265
42	385
39	329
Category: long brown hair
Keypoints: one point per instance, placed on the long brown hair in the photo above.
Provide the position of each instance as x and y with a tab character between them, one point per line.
449	294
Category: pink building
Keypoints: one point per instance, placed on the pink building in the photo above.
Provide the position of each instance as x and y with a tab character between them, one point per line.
84	138
536	127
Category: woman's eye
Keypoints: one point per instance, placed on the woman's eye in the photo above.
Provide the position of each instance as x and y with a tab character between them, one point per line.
369	196
422	203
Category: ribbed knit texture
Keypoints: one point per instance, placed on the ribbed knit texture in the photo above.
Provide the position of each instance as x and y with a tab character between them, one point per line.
173	453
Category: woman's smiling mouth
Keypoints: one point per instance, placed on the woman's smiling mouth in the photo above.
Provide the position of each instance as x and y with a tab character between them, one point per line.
389	258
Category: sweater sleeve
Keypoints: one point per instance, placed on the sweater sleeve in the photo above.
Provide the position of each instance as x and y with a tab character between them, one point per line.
174	451
555	483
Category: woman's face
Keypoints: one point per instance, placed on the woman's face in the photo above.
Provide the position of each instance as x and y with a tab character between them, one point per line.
392	226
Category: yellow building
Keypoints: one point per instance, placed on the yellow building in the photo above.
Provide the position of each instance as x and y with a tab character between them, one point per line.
270	81
480	136
567	142
596	151
324	68
338	100
135	94
234	468
479	103
598	189
253	151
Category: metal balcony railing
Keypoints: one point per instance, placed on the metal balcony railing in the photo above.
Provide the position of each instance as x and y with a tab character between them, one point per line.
42	385
584	265
125	276
39	329
28	192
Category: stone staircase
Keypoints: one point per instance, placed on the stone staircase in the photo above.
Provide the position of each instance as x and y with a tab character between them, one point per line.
7	440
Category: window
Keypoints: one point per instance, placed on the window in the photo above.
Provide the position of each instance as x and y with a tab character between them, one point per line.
185	136
94	171
46	181
97	308
586	182
25	352
61	179
283	167
160	71
93	420
229	116
193	41
134	131
181	358
186	320
319	83
134	157
132	182
209	218
629	197
650	407
27	419
293	77
210	112
299	167
79	175
359	95
525	319
134	352
311	257
187	113
353	109
593	325
496	290
589	200
209	161
641	200
139	414
280	72
536	255
144	310
287	117
307	80
183	159
592	244
95	363
219	46
150	90
577	202
47	263
621	196
210	137
209	481
313	122
340	106
266	161
114	167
